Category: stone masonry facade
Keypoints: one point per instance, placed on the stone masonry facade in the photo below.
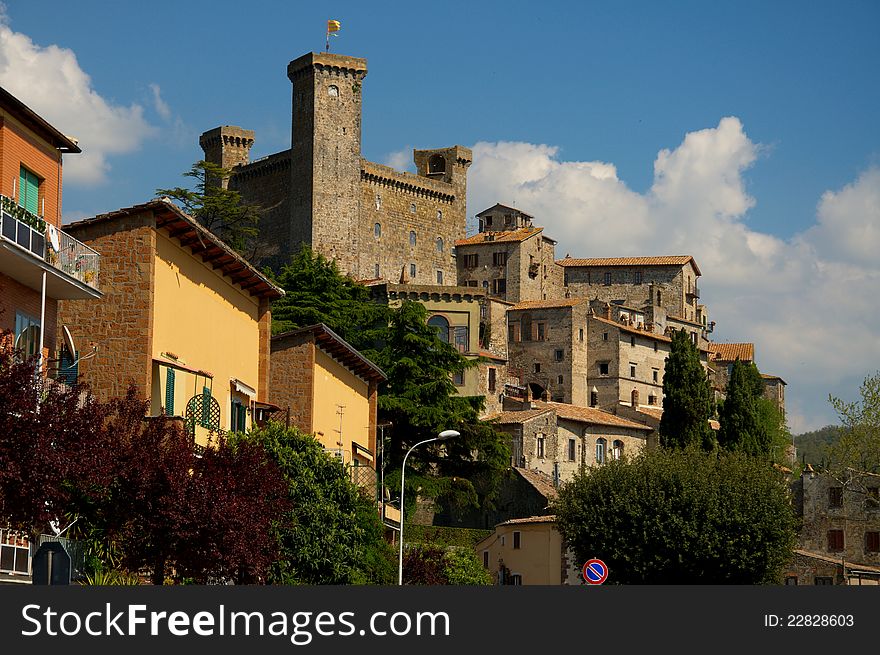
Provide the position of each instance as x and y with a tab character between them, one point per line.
292	375
374	221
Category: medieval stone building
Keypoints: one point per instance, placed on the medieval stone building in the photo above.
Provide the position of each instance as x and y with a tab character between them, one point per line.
374	221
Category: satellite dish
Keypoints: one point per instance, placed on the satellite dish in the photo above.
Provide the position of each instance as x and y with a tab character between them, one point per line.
54	239
68	340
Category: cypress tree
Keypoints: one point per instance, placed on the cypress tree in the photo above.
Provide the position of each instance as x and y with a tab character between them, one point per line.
687	398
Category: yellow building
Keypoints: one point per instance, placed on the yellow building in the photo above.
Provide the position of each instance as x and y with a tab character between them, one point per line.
327	388
184	318
529	551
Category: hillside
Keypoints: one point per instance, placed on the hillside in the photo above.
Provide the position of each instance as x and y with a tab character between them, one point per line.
811	446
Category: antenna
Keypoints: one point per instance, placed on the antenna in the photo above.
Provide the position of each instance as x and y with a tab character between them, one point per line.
54	240
71	347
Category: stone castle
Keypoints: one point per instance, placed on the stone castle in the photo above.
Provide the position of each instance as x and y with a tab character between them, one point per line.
374	221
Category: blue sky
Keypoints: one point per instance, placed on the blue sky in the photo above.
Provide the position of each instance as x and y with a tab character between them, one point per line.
767	113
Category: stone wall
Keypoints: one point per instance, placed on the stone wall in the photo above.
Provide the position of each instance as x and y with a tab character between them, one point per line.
120	323
292	372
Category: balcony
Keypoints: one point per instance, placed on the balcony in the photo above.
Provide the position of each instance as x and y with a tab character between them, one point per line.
74	268
694	291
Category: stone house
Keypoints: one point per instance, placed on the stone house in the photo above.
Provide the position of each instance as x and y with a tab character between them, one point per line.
840	517
514	265
529	551
184	318
547	348
774	390
327	388
588	436
721	359
33	247
372	220
533	438
664	288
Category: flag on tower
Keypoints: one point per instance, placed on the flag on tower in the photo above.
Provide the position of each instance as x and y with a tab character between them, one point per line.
333	26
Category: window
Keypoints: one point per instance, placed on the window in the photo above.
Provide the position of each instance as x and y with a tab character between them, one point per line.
835	541
439	215
617	449
835	497
655	346
439	244
580	334
542	332
28	190
823	581
658	298
489	221
560	379
600	450
603	368
513	333
604	336
412	238
516	580
471	261
378	201
412	271
491	380
460	338
872	542
377	230
376	272
499	285
238	417
791	580
499	258
594	398
655	375
458	379
632	342
517	542
486	559
442	326
439	277
632	370
537	367
571	450
27	335
607	279
539	446
652	400
333	91
412	208
558	354
169	392
638	277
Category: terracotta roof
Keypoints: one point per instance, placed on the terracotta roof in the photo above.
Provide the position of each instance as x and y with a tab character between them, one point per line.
203	243
672	260
513	236
548	304
541	482
514	417
531	519
730	352
632	330
488	355
591	415
773	377
338	348
852	566
498	205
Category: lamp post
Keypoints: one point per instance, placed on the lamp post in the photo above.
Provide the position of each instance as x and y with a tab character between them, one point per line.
443	436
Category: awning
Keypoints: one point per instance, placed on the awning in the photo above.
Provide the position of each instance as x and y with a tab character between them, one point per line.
241	387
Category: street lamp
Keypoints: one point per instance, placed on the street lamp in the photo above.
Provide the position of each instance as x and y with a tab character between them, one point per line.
443	436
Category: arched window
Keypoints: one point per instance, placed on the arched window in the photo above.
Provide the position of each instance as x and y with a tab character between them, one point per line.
436	164
617	449
412	208
601	445
439	215
439	244
634	398
377	230
412	238
333	91
442	326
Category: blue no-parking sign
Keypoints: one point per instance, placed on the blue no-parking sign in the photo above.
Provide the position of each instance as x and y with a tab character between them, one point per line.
595	571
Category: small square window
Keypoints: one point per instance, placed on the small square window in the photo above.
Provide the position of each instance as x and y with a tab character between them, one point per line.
835	541
458	379
835	497
604	336
560	380
655	375
412	208
558	355
603	368
536	368
822	580
872	542
638	277
791	580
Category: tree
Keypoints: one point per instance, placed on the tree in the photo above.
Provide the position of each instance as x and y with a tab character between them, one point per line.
741	427
859	444
681	516
687	398
316	292
331	532
427	564
219	209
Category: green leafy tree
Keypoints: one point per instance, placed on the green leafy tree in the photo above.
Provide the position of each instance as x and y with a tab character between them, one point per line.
859	444
428	564
682	516
316	292
219	209
332	533
687	398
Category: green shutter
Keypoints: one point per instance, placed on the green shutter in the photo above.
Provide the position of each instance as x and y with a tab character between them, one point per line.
242	418
206	407
28	190
169	392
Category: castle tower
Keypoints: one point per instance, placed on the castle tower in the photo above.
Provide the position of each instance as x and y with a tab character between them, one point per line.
227	146
325	165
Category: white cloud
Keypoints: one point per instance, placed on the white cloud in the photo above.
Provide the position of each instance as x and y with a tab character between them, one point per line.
161	106
401	160
42	76
807	303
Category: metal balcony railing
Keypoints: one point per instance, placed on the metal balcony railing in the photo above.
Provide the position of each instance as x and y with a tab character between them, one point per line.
28	231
